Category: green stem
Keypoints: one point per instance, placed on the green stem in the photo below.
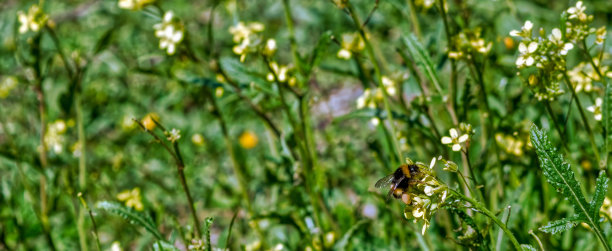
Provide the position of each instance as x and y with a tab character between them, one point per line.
557	126
482	209
238	170
414	20
453	78
292	40
582	116
371	55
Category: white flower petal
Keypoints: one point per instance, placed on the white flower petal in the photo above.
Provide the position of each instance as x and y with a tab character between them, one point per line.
456	147
463	138
453	133
533	46
446	140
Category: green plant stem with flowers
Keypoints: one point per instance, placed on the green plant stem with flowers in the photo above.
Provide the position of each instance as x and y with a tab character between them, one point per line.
479	207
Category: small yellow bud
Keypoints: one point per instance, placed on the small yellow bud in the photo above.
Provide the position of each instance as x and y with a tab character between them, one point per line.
148	122
248	140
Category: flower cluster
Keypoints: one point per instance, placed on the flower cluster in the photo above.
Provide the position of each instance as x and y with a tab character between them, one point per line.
134	4
170	32
246	38
131	198
511	144
33	21
577	24
54	136
351	43
469	43
547	54
173	135
281	73
424	198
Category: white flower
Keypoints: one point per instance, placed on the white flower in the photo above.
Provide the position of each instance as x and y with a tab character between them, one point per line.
455	140
596	109
418	212
525	30
389	85
33	21
375	121
429	191
344	54
526	58
169	32
270	47
577	12
173	135
432	163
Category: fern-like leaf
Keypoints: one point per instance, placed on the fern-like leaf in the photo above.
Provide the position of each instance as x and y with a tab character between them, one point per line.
131	215
601	188
561	225
422	60
559	174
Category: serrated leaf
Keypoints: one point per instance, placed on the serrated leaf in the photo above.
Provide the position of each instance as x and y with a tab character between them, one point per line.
561	225
559	174
422	60
527	247
601	189
131	215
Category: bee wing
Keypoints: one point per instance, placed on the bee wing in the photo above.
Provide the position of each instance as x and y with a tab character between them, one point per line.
384	182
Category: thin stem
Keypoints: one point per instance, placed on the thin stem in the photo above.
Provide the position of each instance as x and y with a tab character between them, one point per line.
180	166
557	126
583	117
371	55
238	170
292	40
414	20
482	209
93	221
537	240
453	78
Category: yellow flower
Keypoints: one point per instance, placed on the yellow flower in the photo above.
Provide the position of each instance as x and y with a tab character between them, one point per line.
148	122
248	140
33	21
134	4
131	198
455	140
7	84
197	139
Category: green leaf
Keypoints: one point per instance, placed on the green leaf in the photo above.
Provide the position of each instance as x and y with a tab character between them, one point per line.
239	72
601	188
343	242
561	225
318	51
164	246
131	215
559	174
422	60
527	247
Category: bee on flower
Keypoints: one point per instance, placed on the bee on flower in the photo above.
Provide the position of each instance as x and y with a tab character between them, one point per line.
33	20
170	32
455	140
596	109
247	38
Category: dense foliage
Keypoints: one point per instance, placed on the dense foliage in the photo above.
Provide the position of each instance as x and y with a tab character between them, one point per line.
265	125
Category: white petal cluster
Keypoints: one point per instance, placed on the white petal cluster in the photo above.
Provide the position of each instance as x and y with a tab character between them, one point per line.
170	33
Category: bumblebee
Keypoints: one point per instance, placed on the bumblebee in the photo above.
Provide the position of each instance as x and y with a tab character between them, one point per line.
400	182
